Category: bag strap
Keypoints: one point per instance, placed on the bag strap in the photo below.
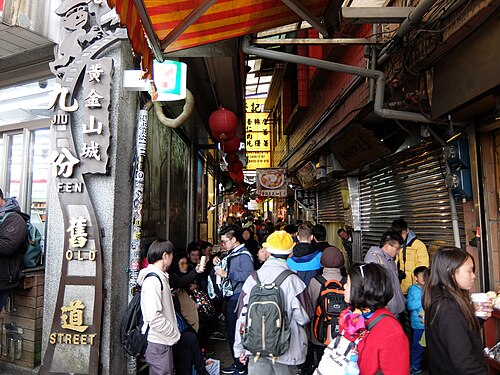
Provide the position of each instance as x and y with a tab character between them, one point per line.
321	279
4	216
370	325
156	275
282	276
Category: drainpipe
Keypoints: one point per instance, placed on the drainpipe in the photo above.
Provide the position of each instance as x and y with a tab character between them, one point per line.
378	76
453	205
136	227
414	17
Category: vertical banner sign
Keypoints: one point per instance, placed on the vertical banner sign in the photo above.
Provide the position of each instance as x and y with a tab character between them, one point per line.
75	335
306	198
257	135
136	227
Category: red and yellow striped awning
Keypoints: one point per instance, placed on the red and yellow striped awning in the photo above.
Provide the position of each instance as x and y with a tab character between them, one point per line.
223	20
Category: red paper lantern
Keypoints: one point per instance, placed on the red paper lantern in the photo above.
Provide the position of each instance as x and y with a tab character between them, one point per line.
231	158
235	167
223	124
239	177
231	145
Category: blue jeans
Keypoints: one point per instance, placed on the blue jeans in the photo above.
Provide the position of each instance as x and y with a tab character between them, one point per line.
417	351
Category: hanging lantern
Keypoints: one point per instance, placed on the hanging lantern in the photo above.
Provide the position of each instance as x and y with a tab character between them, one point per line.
223	124
235	167
231	158
232	145
239	177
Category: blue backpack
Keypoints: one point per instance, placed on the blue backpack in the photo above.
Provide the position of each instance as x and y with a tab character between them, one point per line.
33	252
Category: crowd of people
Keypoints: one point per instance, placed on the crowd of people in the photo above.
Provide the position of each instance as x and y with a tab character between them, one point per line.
399	314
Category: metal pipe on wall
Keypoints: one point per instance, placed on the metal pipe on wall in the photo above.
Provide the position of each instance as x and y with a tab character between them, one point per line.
378	76
414	17
453	205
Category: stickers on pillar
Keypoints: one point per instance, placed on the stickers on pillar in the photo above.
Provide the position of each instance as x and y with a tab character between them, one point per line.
170	80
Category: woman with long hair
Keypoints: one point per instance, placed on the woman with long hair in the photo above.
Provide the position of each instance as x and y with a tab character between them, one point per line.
385	346
453	341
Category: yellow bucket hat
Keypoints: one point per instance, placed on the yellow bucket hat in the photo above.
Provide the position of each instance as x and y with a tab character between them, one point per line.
279	243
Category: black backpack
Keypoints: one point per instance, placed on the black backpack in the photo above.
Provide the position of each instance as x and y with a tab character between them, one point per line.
329	305
267	332
133	340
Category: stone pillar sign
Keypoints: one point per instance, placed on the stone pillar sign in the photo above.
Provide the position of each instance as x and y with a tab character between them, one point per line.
75	335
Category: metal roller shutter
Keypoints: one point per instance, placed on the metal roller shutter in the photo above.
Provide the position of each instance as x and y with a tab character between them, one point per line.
330	206
408	185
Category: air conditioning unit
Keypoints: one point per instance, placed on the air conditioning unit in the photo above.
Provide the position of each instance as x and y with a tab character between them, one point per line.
333	165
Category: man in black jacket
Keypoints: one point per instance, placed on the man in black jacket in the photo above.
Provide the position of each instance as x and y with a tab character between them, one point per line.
13	240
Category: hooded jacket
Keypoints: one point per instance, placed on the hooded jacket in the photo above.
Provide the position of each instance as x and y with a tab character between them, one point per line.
297	306
157	307
13	241
376	255
305	261
416	255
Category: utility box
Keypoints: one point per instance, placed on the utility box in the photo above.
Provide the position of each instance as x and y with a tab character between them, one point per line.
21	321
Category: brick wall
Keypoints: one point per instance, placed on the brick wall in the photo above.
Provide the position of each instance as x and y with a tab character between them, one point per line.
25	321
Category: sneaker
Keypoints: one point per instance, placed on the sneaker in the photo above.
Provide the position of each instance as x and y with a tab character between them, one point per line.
233	370
218	336
414	371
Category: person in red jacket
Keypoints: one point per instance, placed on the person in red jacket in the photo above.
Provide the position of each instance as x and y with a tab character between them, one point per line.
385	347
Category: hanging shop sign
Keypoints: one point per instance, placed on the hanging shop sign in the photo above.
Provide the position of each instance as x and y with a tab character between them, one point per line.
170	80
306	198
271	182
80	144
307	176
257	134
258	159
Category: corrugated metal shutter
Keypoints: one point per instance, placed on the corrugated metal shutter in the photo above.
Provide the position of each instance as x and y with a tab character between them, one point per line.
408	185
330	206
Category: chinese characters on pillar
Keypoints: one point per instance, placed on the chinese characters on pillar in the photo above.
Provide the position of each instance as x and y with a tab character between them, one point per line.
72	318
95	129
257	135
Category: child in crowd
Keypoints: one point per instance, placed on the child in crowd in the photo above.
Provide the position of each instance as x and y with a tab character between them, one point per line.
414	306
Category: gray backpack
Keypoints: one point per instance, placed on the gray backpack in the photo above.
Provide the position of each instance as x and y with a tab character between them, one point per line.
267	332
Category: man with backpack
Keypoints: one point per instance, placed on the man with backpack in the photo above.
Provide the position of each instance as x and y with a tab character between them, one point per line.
160	323
273	309
13	242
327	294
233	271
